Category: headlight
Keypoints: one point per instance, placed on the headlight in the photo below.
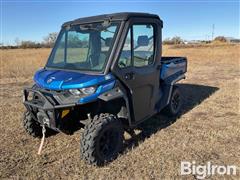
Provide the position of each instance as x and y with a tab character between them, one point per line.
87	91
75	92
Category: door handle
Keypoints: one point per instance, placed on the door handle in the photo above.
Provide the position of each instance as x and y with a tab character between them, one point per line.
129	76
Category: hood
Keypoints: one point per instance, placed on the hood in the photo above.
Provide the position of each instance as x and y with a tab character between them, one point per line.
60	79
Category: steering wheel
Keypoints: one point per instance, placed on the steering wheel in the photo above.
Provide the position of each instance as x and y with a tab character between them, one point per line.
122	64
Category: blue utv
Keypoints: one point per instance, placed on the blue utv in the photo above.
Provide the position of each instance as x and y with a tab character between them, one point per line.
107	73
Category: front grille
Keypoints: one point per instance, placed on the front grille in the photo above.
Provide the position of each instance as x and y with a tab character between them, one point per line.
51	99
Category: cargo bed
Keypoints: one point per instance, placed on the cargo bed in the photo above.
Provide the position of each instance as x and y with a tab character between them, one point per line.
172	66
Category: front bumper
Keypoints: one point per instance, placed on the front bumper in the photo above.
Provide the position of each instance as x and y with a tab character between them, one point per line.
46	107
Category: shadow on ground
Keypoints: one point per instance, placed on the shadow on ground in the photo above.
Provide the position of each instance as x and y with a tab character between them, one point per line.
193	95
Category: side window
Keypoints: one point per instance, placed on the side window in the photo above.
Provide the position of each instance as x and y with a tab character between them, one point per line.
125	57
143	41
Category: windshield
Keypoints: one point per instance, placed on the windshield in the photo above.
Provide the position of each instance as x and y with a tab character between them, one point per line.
83	47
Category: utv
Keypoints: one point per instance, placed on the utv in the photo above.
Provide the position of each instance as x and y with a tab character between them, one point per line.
107	73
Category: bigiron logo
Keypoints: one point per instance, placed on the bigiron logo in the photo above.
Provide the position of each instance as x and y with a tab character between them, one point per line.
209	169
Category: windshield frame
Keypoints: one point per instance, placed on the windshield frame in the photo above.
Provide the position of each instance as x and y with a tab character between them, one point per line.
107	60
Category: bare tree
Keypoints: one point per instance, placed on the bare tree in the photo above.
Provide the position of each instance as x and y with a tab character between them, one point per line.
177	40
50	39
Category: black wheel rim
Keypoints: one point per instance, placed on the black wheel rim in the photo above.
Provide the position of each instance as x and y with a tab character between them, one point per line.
175	102
108	143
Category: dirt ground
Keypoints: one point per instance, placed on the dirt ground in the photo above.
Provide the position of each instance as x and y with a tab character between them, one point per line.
208	129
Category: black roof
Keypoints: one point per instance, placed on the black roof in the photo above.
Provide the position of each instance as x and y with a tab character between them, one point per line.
116	16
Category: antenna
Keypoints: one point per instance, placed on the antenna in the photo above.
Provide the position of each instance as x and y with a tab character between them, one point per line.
213	28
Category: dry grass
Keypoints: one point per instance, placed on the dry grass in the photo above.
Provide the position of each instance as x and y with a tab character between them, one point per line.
208	130
22	63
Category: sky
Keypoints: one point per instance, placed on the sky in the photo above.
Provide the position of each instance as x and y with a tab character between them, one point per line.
191	20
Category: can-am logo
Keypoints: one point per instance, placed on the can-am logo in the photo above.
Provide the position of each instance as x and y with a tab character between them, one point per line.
50	79
209	169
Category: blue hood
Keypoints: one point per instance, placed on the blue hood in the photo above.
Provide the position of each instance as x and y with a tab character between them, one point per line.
61	80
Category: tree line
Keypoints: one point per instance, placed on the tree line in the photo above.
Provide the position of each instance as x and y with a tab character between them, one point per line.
50	39
179	40
47	42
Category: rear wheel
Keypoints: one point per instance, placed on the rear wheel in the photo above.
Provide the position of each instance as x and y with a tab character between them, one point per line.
175	103
102	139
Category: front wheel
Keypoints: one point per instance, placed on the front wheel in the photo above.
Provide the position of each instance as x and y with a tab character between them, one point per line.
102	139
175	103
33	127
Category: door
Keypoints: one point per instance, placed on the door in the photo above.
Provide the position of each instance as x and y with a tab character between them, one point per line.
136	68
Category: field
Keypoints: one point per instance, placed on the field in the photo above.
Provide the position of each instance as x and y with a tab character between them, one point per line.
207	130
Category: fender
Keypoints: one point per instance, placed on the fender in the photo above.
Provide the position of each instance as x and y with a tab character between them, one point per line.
119	92
167	87
172	82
